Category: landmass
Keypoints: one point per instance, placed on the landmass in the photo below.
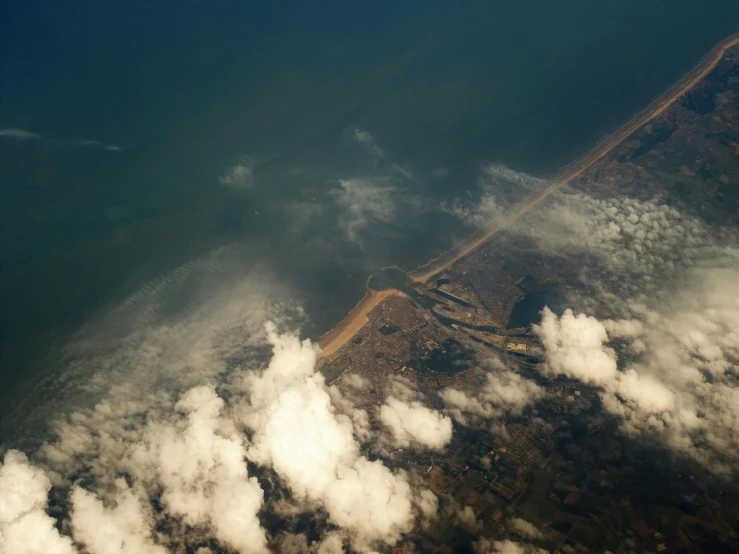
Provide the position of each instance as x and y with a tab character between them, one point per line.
590	489
354	321
580	166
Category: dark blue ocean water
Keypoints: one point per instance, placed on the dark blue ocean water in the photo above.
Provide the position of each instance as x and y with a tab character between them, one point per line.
183	90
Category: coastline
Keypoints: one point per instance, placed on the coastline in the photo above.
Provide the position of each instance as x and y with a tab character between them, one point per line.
348	327
577	167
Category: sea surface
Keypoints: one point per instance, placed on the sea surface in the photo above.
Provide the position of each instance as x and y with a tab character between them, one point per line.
352	123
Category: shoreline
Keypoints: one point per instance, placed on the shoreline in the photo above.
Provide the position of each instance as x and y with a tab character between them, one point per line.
581	164
348	327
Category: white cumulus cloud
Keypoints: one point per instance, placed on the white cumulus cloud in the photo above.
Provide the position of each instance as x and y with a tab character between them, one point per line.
575	347
411	423
121	529
678	379
364	202
298	433
199	463
239	176
525	529
365	138
502	392
25	527
486	546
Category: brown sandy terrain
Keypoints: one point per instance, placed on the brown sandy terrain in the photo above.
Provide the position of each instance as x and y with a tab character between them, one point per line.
354	321
575	169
